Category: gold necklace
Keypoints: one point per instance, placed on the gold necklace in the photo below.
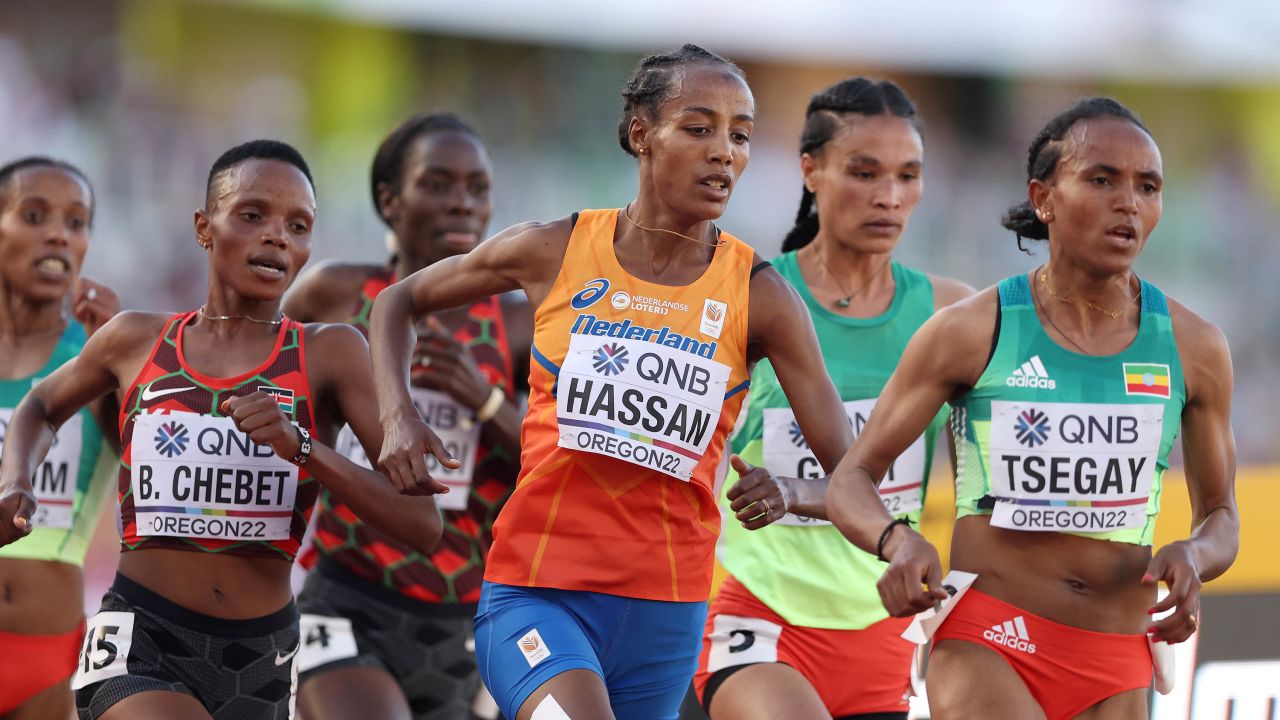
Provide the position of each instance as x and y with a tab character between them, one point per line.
845	301
626	213
1113	314
279	319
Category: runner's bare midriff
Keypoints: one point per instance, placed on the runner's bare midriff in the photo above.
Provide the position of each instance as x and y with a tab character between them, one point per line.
221	586
1077	581
39	597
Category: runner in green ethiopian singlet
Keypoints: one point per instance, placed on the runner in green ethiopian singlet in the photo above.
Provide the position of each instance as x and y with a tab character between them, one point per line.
46	211
806	595
1069	384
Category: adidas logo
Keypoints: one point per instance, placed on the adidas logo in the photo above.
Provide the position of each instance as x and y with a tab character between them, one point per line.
1032	374
1011	634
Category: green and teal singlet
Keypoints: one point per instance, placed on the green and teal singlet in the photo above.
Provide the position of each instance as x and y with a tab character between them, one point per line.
804	569
71	483
1051	440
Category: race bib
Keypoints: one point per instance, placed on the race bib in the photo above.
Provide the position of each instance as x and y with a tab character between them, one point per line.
641	402
197	476
105	650
324	640
786	453
1073	467
458	430
55	480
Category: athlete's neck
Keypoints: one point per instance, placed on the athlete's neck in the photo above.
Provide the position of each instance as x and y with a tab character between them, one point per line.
406	264
835	271
1070	288
654	233
22	318
241	314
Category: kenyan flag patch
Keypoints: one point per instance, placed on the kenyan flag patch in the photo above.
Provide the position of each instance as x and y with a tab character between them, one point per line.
1146	379
284	396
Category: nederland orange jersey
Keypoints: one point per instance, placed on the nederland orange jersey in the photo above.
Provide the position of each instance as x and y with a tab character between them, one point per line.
633	389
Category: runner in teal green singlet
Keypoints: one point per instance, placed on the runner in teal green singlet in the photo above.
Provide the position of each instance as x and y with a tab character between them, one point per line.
1069	384
46	210
808	596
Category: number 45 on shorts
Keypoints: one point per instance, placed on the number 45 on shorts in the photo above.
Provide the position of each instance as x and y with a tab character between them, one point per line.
105	650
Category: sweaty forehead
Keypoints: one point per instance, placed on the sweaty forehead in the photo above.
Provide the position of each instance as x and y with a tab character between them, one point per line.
448	150
710	85
1110	141
271	178
46	180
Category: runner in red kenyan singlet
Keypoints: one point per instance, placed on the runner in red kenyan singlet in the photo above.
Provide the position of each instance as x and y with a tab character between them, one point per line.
220	469
387	630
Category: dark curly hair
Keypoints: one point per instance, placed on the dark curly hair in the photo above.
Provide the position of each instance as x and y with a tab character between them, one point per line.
653	83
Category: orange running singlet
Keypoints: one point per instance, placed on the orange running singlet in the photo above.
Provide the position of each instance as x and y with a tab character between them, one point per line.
633	390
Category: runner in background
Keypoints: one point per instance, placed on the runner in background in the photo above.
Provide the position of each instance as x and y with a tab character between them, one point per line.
648	319
797	629
46	214
1068	386
219	470
387	631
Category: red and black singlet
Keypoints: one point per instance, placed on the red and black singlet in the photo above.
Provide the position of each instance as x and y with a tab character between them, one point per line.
188	479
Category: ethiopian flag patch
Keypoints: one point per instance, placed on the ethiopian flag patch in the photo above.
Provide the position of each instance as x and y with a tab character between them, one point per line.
1146	379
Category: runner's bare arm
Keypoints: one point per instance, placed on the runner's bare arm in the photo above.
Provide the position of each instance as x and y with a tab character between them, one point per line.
525	256
349	397
780	329
79	382
325	293
947	291
1209	451
947	355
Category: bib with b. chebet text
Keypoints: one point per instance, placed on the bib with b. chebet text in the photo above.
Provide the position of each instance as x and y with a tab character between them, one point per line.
1052	440
189	480
633	389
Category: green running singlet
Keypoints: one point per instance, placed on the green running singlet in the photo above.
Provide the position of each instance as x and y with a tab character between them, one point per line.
1052	440
72	482
804	569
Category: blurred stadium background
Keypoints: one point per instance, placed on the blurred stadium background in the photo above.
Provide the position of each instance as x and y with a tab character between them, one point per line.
144	94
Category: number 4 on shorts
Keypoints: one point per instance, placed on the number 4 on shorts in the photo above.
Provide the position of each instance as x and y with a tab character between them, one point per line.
324	640
105	650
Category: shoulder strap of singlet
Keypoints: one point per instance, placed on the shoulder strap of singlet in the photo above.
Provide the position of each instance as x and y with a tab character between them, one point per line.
573	221
169	327
1014	291
1153	299
760	266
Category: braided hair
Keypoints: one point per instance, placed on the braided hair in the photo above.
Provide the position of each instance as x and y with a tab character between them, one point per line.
1046	151
653	83
822	122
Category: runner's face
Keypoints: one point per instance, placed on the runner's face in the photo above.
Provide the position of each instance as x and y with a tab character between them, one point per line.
867	181
443	205
1105	198
44	231
259	228
701	141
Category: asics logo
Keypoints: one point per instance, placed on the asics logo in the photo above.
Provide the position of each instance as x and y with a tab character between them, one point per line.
282	659
1032	374
151	393
1011	634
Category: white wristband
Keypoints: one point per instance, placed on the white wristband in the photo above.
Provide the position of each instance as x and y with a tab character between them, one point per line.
491	406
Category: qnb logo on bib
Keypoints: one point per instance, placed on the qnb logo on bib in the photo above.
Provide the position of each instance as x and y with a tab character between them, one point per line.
54	482
1073	467
198	476
786	453
646	396
457	429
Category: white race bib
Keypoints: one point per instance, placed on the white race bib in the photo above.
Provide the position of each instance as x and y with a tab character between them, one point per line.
458	430
786	453
1073	467
197	476
55	480
105	650
641	402
324	640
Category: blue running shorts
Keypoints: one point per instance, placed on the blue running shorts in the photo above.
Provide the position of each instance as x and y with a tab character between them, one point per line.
645	650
